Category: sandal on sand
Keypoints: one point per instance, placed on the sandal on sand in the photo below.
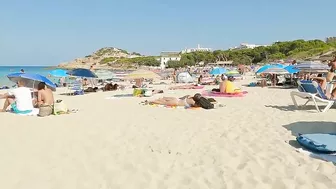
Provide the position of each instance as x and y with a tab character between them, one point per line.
73	110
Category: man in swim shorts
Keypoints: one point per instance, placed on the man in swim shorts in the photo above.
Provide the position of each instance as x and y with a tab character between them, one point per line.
19	99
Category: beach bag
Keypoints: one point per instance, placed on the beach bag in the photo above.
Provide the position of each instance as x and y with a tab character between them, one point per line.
137	92
205	103
45	110
60	107
148	93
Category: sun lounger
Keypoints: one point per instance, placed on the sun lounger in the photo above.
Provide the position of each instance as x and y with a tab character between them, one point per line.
311	91
75	88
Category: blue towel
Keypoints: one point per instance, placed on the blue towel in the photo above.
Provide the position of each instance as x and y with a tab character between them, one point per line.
319	143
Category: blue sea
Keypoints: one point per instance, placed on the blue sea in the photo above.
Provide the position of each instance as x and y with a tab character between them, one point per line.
5	70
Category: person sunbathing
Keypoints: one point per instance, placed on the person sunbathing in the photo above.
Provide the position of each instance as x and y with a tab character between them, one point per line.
110	87
192	86
187	101
227	86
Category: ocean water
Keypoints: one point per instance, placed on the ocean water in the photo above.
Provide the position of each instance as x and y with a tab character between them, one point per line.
5	70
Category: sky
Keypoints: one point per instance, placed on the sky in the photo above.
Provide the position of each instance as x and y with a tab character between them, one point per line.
47	32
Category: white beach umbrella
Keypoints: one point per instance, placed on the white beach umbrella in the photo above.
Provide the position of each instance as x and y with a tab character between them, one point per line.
275	70
312	67
104	74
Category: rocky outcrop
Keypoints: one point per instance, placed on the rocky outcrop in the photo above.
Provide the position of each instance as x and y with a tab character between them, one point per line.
96	58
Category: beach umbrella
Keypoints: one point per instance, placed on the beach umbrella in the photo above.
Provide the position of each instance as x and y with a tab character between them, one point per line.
275	70
291	69
81	72
278	65
232	72
59	73
268	66
218	71
138	74
311	67
31	80
104	74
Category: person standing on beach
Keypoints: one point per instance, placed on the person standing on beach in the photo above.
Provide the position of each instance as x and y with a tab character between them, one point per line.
19	99
174	76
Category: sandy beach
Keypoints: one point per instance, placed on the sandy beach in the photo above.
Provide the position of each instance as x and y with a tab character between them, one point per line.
118	143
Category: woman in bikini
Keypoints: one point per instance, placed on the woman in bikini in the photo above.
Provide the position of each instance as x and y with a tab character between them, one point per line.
186	101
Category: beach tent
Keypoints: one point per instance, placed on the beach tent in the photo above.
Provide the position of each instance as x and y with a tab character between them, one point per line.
184	77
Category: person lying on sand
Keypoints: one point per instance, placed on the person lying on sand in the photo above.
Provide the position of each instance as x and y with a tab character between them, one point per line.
187	101
110	87
192	86
227	86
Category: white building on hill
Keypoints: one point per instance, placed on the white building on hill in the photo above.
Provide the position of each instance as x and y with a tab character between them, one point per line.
198	48
247	46
168	56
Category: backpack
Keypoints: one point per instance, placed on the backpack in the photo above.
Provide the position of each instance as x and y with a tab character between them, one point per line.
205	103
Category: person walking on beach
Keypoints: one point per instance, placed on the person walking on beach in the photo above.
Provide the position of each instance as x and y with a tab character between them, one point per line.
19	99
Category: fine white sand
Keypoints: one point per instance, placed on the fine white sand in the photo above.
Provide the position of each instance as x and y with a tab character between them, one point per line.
118	143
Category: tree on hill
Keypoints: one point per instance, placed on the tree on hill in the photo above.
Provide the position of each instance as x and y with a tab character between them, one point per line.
298	49
141	61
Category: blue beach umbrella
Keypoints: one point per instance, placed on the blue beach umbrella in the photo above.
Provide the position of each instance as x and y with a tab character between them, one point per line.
81	72
218	71
31	80
268	66
59	73
291	69
278	65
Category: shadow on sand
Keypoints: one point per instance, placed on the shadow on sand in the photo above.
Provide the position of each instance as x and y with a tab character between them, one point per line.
289	108
309	128
292	108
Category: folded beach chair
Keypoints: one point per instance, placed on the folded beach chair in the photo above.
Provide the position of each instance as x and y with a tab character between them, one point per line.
311	91
74	87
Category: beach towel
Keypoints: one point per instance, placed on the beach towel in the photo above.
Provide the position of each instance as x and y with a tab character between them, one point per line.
34	112
172	107
119	96
324	157
318	143
179	107
188	87
218	94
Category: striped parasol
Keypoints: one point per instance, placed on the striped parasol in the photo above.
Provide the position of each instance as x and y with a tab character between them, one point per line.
104	74
146	74
312	67
275	70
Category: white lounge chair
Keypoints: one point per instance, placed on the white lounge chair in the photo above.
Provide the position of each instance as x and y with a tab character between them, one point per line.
311	91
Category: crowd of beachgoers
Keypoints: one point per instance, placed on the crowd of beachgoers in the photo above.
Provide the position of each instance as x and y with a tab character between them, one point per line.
198	127
19	100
